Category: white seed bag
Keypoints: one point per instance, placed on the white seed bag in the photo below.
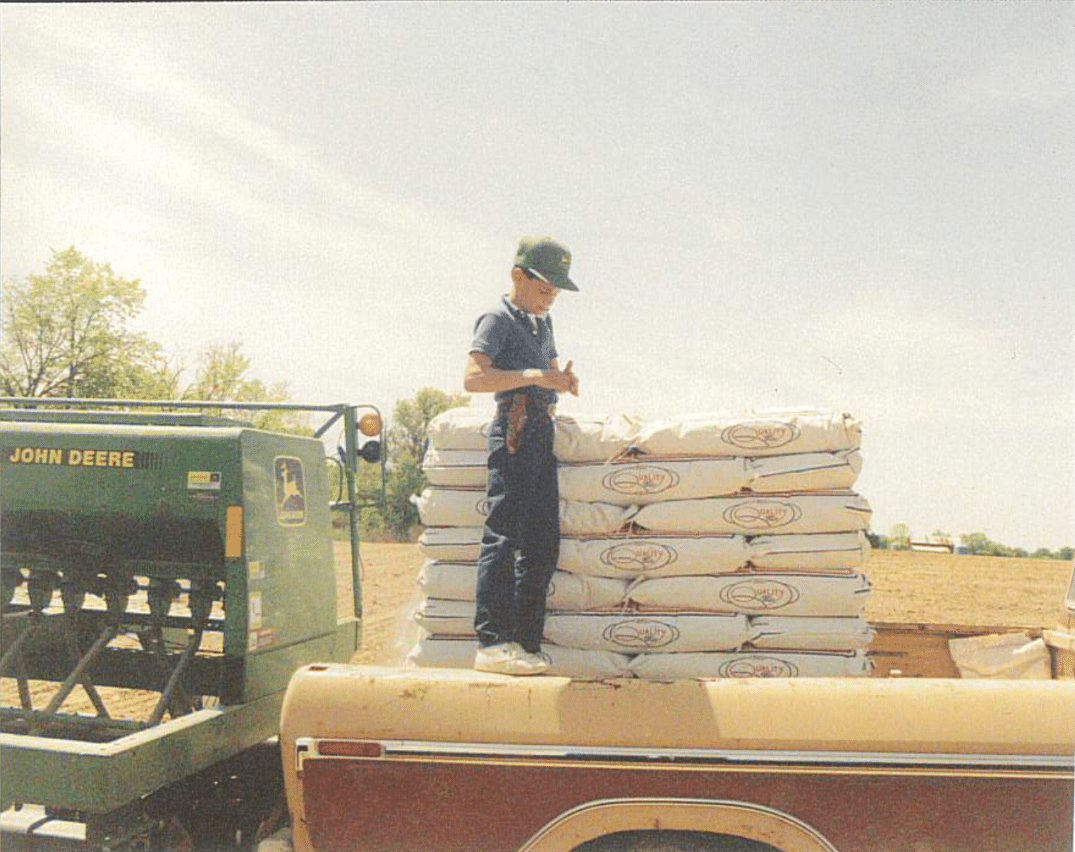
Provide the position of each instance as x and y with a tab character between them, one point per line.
637	483
810	633
653	632
752	664
574	592
751	434
756	594
822	552
452	507
456	468
464	428
578	518
593	439
468	507
631	556
430	652
451	544
750	515
582	438
445	618
642	480
804	472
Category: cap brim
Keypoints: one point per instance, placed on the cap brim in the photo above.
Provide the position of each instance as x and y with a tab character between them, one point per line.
561	282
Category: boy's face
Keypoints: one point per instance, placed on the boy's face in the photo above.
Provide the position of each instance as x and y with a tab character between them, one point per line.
533	294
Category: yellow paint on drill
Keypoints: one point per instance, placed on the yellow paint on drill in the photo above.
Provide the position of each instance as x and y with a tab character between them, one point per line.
233	533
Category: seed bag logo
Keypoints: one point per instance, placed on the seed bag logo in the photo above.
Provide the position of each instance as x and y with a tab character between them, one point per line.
640	479
758	667
758	595
639	557
760	436
641	633
762	514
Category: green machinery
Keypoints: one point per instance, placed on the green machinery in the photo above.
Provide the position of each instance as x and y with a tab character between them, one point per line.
183	555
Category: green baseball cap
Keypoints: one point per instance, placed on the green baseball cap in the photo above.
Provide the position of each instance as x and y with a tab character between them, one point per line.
547	259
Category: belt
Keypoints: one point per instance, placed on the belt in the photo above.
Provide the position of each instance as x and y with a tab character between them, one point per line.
535	402
519	407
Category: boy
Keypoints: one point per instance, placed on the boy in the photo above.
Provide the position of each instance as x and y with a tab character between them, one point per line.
514	357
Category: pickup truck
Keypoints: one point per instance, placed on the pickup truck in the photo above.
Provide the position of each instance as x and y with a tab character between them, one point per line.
380	759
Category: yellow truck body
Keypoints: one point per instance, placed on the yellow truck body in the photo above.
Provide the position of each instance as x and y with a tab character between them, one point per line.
380	759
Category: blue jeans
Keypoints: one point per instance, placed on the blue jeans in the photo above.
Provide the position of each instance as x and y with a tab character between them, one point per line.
521	539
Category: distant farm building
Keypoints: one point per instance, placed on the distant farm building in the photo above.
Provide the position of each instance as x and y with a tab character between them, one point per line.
933	545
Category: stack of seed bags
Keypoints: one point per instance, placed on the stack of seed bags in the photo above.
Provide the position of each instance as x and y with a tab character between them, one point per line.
702	546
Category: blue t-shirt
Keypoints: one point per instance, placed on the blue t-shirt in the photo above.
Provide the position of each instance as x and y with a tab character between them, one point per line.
507	335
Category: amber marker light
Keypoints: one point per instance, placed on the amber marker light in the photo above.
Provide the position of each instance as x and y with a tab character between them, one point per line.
370	425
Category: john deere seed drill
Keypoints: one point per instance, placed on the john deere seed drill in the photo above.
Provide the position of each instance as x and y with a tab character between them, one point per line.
188	558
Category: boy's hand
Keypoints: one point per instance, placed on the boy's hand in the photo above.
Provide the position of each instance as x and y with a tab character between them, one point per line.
562	380
573	387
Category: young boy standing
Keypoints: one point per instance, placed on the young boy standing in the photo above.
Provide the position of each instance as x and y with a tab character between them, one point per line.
514	357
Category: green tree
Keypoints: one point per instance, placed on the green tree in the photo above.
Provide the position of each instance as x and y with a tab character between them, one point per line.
410	420
406	446
900	536
66	334
222	376
977	543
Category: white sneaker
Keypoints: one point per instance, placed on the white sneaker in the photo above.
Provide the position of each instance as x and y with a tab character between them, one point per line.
534	663
496	658
510	659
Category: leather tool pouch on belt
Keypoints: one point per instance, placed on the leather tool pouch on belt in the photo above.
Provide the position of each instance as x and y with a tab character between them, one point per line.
516	422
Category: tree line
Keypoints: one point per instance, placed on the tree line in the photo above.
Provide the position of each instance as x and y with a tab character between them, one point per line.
68	332
974	543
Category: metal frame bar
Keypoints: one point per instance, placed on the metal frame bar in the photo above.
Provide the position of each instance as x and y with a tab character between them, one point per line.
306	748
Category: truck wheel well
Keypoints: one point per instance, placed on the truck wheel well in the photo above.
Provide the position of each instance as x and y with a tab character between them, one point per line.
670	840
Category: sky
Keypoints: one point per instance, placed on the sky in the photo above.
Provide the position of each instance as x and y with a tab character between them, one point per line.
864	207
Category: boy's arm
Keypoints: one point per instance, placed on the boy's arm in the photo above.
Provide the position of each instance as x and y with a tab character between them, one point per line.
482	377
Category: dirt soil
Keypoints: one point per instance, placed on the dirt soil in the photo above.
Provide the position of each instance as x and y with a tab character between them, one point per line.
907	587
